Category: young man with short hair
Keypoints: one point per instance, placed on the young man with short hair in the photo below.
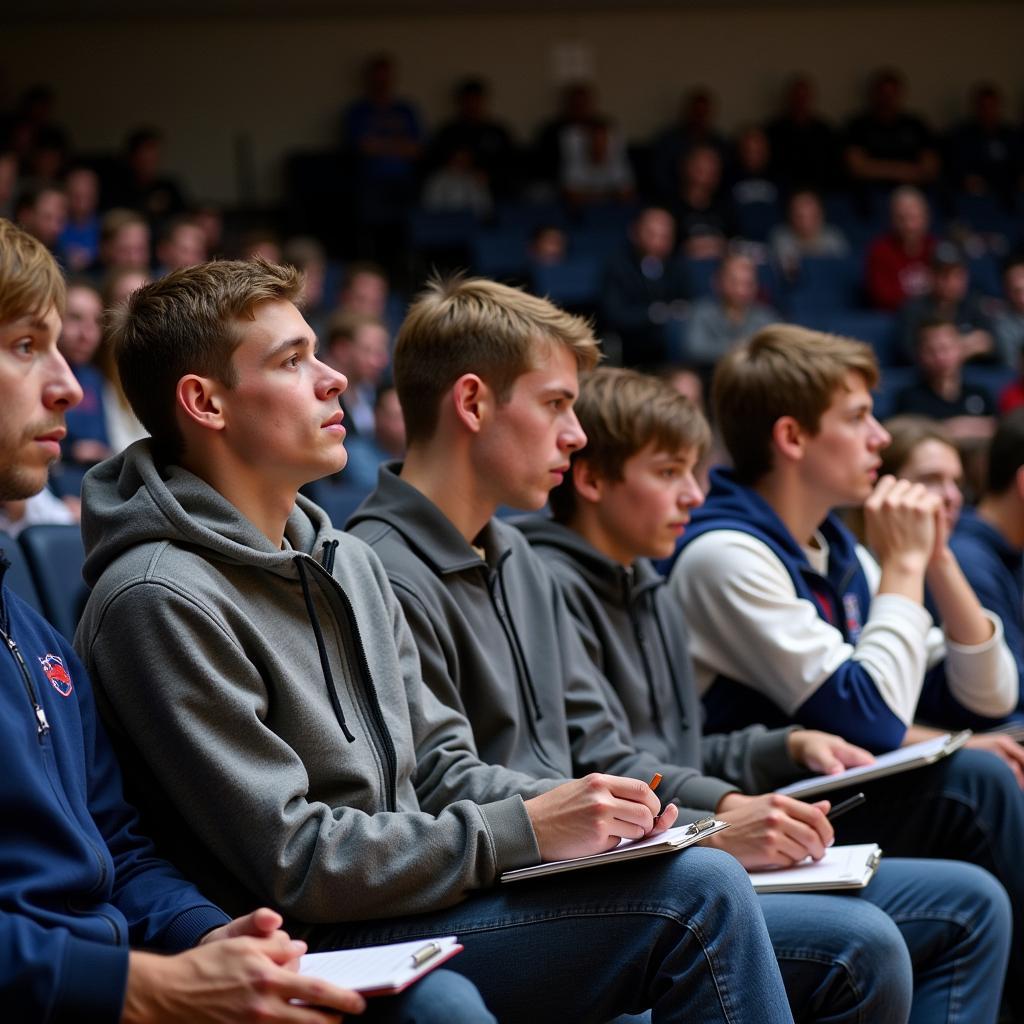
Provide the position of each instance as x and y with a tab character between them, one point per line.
78	882
627	499
283	737
989	541
791	621
487	376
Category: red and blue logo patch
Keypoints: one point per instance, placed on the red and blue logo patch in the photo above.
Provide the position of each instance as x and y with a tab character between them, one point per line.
54	670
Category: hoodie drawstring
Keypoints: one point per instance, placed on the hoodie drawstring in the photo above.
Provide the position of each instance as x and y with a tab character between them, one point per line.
321	647
327	554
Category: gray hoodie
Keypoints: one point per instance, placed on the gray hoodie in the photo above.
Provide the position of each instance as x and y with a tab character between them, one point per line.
271	705
635	634
498	643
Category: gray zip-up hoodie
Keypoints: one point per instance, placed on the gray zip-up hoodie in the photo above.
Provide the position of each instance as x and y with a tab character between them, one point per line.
498	643
634	632
274	698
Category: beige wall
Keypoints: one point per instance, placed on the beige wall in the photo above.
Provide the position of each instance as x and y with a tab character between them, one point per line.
280	82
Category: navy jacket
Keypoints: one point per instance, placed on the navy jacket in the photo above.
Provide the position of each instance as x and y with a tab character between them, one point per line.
848	702
78	884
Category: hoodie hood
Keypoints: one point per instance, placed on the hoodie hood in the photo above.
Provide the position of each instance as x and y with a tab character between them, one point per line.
610	580
128	500
732	506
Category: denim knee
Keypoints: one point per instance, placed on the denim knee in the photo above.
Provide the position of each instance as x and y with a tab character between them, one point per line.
442	997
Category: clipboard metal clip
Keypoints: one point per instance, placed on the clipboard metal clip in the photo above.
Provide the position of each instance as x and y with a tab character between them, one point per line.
704	825
426	954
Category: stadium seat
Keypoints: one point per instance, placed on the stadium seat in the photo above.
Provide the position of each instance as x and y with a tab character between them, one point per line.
825	284
55	555
18	576
576	283
442	229
877	328
756	220
500	254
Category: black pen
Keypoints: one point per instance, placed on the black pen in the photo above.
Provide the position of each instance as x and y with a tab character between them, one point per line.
846	805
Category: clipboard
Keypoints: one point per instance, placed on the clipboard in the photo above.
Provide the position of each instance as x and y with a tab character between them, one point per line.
669	841
903	759
380	970
842	868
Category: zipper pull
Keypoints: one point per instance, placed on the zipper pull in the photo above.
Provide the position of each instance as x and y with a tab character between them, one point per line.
42	725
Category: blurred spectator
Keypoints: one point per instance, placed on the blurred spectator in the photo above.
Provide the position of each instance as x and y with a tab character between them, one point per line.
210	218
645	288
885	145
923	452
42	509
140	184
364	290
458	184
940	392
704	218
384	135
8	182
578	105
122	425
124	242
366	453
899	262
182	244
805	233
595	166
687	382
718	324
87	441
358	346
949	298
753	194
984	150
262	242
45	163
803	145
33	120
80	240
548	246
307	254
1008	322
43	213
694	127
474	132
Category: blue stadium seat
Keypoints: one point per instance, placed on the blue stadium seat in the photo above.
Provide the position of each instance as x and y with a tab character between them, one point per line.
338	500
527	216
612	216
500	254
55	555
18	576
442	229
596	242
992	378
878	329
986	274
701	275
576	283
756	220
825	283
985	214
893	380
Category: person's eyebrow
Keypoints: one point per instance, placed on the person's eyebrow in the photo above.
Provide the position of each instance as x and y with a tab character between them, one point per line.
559	392
281	347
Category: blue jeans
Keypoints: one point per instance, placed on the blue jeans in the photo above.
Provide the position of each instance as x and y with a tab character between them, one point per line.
442	997
845	957
967	807
681	934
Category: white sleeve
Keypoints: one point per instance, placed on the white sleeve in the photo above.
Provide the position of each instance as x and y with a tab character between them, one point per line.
747	622
982	677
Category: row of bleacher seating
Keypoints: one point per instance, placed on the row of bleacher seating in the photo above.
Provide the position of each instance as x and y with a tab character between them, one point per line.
46	572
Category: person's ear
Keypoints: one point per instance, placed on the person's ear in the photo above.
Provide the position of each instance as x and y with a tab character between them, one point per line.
587	482
199	398
789	438
472	401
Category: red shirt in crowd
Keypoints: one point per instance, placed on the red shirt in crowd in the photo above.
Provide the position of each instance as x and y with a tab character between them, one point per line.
893	275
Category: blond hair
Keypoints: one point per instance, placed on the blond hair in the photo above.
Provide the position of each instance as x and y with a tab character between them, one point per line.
783	370
621	412
471	325
188	322
30	280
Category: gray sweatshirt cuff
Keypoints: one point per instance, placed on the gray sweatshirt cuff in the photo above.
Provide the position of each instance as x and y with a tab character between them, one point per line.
703	791
770	762
515	845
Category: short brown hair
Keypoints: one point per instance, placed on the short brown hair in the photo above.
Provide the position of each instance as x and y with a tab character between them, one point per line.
472	325
907	433
783	370
188	322
114	220
30	280
621	412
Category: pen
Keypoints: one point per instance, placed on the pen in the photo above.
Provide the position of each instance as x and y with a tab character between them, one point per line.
428	952
846	805
654	784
